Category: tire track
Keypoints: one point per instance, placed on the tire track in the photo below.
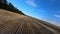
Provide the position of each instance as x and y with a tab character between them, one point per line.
14	23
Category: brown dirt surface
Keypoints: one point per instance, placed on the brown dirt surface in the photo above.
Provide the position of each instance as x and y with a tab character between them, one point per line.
13	23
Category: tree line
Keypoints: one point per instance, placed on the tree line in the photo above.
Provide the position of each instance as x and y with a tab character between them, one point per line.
10	7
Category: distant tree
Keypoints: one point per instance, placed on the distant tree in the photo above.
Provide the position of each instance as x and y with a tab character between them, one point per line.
9	7
3	1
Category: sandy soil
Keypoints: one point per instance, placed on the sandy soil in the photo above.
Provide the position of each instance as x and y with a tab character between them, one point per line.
13	23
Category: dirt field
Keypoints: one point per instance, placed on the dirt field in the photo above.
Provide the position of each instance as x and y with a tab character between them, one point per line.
13	23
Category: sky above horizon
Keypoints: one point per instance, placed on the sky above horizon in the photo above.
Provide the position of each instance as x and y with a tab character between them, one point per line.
47	10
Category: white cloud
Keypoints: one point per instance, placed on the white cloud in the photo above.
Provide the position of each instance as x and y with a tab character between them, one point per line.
31	2
52	21
57	16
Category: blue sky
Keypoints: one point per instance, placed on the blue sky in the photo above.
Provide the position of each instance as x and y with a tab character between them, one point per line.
48	10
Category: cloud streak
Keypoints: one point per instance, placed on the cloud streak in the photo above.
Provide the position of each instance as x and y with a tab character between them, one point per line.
31	3
57	16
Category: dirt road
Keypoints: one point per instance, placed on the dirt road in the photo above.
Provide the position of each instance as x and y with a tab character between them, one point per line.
13	23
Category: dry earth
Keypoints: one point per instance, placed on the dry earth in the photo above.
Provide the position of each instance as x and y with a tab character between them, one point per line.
13	23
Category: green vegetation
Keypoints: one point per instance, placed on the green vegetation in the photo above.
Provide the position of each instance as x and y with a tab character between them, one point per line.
10	7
